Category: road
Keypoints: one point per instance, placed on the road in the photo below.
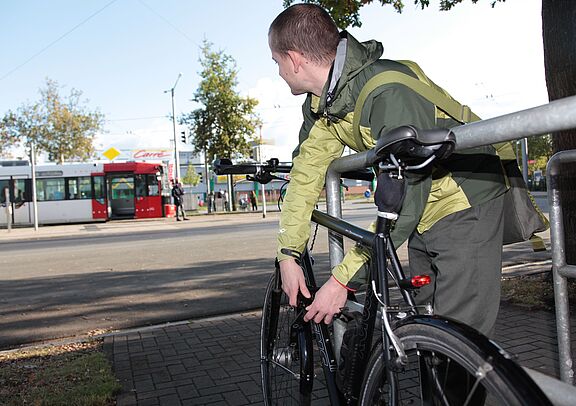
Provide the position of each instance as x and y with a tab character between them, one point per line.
65	286
164	271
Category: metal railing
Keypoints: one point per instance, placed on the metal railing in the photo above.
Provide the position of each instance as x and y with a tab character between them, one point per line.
560	270
555	116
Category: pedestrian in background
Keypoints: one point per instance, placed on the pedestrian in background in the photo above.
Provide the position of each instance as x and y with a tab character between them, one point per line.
178	196
253	201
226	200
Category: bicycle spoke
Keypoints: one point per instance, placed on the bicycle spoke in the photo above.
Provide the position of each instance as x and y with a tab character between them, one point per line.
445	368
281	361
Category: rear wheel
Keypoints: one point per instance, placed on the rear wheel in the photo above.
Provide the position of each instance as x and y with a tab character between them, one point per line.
449	364
285	351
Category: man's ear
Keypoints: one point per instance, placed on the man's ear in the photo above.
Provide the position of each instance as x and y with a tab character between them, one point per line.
297	59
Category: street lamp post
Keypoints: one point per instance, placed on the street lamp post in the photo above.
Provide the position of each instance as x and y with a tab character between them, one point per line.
262	184
176	152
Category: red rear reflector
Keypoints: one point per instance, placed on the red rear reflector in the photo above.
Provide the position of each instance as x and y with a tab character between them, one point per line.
420	280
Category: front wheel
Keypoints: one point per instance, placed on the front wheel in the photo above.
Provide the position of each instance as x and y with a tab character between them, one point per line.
448	364
286	351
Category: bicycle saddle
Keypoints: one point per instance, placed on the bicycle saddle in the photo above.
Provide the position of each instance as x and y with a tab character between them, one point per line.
410	144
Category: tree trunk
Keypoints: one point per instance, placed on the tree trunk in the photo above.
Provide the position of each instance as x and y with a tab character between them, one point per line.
559	35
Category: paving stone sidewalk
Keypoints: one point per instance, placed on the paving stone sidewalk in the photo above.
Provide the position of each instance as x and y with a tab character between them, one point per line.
215	361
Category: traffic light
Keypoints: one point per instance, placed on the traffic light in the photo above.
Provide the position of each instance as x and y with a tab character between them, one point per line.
183	137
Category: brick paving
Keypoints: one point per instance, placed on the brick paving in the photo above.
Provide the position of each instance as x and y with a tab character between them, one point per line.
215	361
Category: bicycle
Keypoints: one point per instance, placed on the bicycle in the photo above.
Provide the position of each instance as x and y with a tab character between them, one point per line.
387	353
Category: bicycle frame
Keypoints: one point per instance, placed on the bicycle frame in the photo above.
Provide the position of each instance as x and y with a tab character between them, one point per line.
379	243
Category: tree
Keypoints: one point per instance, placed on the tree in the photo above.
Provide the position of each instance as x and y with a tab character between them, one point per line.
539	151
226	122
559	36
559	39
62	127
192	178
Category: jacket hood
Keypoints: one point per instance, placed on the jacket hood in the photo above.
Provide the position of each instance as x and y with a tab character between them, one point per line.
357	56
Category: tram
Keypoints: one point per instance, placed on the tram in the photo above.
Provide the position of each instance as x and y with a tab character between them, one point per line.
73	193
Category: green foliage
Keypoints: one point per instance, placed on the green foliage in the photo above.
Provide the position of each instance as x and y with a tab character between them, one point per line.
346	13
62	127
192	178
8	135
226	122
539	150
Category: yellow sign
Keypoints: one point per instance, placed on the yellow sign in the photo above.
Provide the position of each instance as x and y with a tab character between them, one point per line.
111	153
235	178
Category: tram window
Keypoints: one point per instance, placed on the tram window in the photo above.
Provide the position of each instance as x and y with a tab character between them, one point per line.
72	187
84	187
4	187
122	188
99	188
50	189
140	182
19	192
152	182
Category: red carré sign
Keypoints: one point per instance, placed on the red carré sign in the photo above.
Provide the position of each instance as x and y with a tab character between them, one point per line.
148	154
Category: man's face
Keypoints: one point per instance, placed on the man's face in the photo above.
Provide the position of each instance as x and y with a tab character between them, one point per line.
287	72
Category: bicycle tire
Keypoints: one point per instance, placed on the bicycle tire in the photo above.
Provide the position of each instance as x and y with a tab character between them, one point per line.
441	346
281	357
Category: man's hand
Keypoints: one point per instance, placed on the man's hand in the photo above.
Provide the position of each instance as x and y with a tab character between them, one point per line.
327	302
293	280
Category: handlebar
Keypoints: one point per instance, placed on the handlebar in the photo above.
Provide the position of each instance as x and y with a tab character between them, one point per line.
402	148
224	166
263	172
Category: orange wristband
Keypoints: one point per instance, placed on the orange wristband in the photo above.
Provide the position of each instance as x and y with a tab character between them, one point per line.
344	286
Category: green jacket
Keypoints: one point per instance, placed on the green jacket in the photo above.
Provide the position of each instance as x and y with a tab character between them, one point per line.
467	179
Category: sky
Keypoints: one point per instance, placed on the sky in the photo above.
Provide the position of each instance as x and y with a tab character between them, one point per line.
124	54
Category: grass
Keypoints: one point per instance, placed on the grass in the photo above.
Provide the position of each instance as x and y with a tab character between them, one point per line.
536	291
74	374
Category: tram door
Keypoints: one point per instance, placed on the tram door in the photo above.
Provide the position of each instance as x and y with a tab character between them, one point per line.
121	195
16	194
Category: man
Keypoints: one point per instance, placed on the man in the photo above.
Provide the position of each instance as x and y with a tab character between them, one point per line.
178	195
452	218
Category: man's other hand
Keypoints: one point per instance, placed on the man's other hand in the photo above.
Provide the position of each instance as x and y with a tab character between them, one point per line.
293	280
327	302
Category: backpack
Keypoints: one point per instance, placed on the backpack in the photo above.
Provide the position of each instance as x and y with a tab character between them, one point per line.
522	216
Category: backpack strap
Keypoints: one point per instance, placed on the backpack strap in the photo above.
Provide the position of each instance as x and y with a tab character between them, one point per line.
423	86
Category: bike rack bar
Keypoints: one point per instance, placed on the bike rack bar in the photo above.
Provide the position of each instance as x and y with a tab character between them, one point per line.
555	116
341	165
560	270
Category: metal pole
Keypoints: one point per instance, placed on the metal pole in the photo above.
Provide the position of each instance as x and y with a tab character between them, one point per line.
524	146
6	192
559	263
262	185
207	180
176	152
34	196
555	116
263	200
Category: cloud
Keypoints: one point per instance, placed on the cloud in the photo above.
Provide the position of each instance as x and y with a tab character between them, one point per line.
281	113
157	133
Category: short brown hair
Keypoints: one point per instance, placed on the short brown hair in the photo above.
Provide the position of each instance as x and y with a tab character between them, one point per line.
305	28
